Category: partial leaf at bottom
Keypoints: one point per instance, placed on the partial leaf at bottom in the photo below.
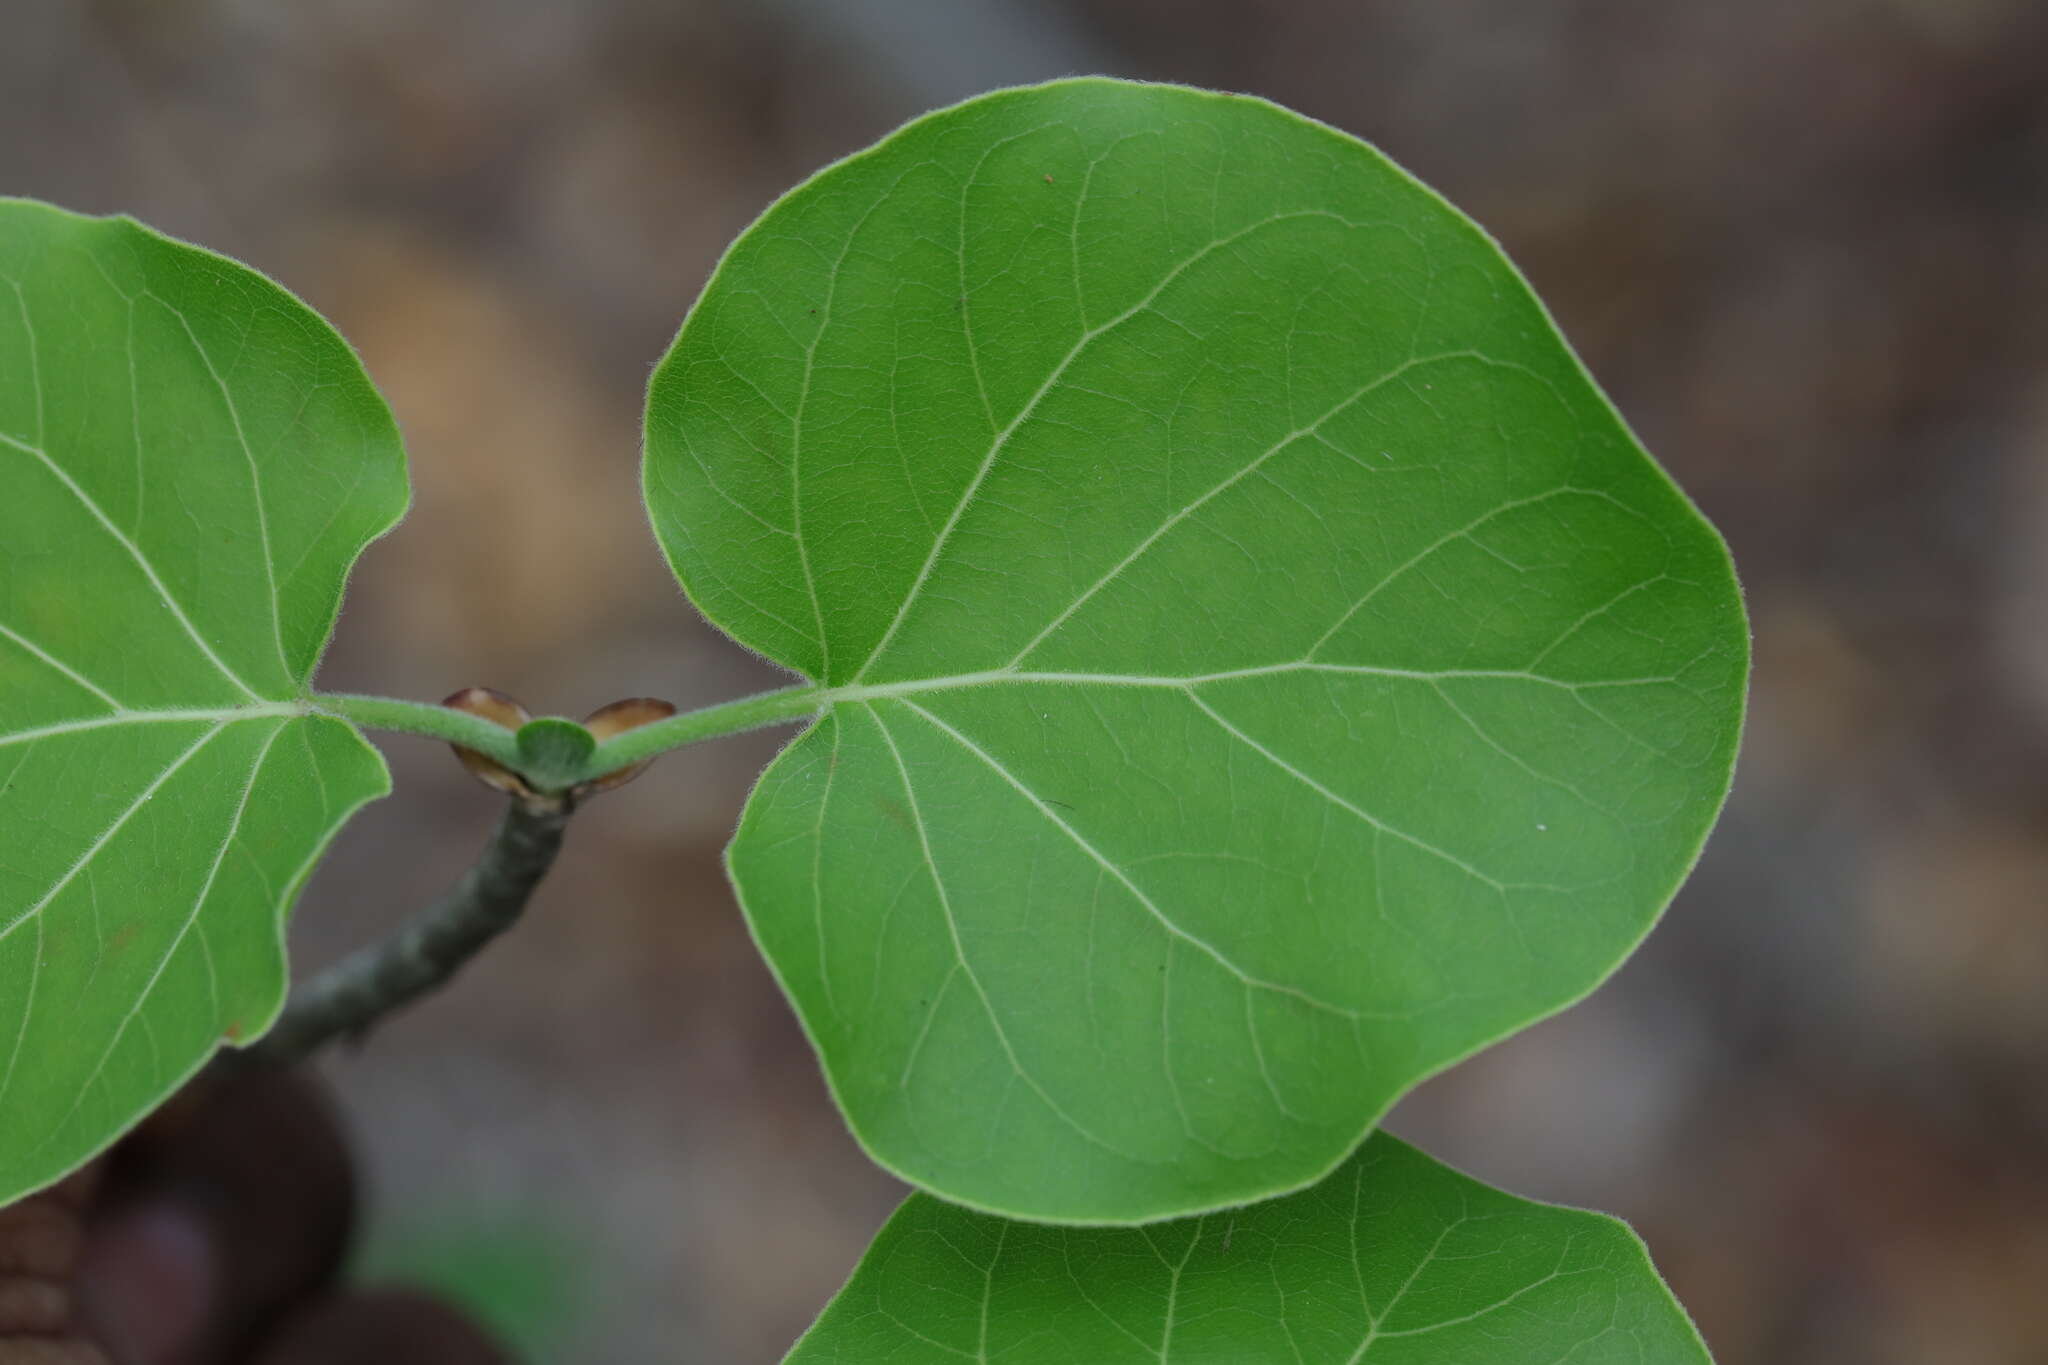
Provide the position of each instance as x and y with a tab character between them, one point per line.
1393	1259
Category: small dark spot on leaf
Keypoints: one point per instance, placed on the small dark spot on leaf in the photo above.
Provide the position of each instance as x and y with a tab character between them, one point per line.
896	813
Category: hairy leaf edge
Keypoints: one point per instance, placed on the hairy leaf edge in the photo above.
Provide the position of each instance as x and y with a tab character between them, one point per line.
1593	1217
1724	762
288	896
388	422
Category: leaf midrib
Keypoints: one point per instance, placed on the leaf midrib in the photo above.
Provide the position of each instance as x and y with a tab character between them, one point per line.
158	716
953	682
186	926
1001	439
135	553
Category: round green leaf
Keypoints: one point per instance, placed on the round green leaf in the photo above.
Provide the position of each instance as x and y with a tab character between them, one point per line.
1260	667
1391	1260
190	461
555	749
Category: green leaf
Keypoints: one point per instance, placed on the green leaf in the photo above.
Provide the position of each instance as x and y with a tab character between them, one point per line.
1392	1260
1261	667
190	461
555	750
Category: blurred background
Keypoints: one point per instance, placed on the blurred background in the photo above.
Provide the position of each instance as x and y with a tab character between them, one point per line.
1805	248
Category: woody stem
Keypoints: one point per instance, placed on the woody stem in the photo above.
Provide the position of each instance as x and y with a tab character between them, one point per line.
350	997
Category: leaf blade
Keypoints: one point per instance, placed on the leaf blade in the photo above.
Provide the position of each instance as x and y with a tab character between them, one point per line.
193	461
1394	1258
1222	572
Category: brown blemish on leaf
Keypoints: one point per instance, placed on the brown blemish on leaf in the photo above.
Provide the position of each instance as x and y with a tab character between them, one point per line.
123	936
895	811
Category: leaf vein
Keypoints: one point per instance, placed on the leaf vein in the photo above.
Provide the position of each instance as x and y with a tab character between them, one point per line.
185	928
1165	921
1052	380
54	662
960	950
255	476
135	553
1224	486
100	840
1333	798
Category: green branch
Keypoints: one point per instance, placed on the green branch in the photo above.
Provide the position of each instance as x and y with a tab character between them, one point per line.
422	718
726	718
622	751
348	998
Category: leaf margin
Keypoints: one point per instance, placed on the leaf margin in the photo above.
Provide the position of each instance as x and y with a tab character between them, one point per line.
299	711
828	697
919	1203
